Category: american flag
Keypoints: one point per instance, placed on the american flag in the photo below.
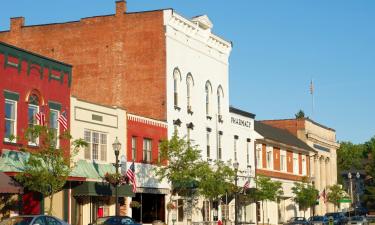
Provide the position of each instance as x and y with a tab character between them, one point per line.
131	175
41	117
246	186
324	195
63	121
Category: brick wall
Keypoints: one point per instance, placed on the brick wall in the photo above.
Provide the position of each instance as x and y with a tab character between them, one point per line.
117	59
291	125
289	161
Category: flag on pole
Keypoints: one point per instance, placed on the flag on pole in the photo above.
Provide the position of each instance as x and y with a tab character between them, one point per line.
131	175
246	186
41	117
324	195
63	121
311	87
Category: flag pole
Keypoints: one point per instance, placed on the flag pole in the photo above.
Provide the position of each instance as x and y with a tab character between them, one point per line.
312	97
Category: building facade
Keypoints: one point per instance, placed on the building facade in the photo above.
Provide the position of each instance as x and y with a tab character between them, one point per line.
323	163
31	84
282	157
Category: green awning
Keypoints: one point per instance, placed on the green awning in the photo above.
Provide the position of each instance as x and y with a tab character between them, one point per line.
13	161
91	170
101	189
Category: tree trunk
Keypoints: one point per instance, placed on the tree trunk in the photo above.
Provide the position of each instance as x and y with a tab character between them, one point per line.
50	204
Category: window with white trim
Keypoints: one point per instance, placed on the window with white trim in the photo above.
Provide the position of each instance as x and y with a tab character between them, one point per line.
189	85
208	149
147	147
54	126
303	165
208	90
176	79
282	160
220	95
10	120
33	109
97	145
235	141
295	163
269	158
248	151
134	148
259	156
219	149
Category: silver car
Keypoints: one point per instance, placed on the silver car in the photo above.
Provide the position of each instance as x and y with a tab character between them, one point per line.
358	220
33	220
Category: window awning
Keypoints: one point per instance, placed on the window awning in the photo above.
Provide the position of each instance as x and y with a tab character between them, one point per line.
8	185
101	189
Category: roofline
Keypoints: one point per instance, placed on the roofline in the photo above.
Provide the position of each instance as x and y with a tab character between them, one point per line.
305	118
99	104
266	140
241	112
35	54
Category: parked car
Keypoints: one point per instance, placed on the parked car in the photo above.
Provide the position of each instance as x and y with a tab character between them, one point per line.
33	220
296	220
358	220
318	220
339	218
114	220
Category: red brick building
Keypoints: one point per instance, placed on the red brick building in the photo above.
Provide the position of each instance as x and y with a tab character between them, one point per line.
29	83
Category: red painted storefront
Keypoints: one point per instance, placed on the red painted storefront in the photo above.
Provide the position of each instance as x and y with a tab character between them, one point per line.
24	75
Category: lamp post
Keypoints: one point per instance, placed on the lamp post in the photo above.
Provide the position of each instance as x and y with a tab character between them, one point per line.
235	166
358	176
350	186
116	147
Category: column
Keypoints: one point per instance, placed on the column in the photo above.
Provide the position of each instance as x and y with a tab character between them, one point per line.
317	180
329	181
323	182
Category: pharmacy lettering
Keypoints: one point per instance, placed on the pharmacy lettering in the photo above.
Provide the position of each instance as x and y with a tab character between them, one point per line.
241	122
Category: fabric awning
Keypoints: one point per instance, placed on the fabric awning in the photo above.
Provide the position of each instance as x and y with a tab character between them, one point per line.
8	185
101	189
91	170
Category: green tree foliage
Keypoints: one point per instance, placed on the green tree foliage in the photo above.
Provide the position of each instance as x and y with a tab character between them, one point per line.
300	114
335	193
48	167
369	194
267	190
349	157
305	195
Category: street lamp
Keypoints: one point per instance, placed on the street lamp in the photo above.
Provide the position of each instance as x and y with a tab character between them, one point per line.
358	176
350	186
116	147
235	166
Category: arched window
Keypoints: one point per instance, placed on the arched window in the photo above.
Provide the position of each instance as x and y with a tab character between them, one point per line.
33	110
176	81
220	95
208	92
189	86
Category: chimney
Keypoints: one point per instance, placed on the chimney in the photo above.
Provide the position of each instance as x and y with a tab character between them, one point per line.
120	7
16	23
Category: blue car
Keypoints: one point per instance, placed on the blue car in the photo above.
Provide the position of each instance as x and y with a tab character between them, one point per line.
33	220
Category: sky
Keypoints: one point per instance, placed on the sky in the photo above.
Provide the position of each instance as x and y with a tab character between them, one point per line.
278	48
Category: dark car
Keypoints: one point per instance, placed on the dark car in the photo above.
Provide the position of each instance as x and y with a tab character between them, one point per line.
318	220
33	220
338	218
115	220
296	220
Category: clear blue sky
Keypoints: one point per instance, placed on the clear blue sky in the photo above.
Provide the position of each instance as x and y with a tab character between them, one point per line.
278	47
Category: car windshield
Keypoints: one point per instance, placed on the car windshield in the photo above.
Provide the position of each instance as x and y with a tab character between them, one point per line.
356	218
101	221
18	220
317	218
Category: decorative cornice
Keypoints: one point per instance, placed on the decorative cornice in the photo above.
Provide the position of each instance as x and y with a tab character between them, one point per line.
148	121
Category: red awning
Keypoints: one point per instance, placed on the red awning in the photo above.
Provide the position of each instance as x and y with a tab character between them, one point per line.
9	185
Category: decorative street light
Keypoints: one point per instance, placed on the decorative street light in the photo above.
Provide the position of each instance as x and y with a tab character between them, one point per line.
350	186
358	176
235	166
116	147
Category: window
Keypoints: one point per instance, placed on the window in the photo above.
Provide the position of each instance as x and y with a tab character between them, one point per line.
295	163
10	120
159	151
248	151
208	144
33	109
220	95
189	84
208	91
176	79
54	126
147	146
282	161
219	149
259	157
304	165
269	159
134	148
206	211
97	145
235	147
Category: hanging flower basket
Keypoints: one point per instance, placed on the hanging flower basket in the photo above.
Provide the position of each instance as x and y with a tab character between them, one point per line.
171	206
113	178
135	204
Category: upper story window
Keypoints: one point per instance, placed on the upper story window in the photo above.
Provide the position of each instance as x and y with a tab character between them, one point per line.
134	148
33	109
208	91
54	126
208	149
235	147
248	151
219	145
97	145
176	81
189	87
220	95
259	156
10	120
147	147
269	158
295	163
304	165
282	160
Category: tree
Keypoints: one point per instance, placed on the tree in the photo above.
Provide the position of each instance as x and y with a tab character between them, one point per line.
305	195
349	156
267	190
47	169
335	194
300	114
369	194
